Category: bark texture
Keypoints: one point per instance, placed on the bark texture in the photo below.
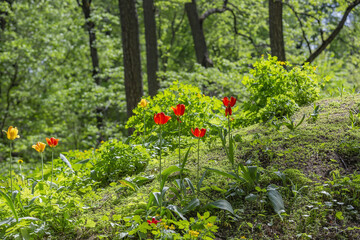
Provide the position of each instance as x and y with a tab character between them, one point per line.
202	54
131	53
90	27
276	29
151	47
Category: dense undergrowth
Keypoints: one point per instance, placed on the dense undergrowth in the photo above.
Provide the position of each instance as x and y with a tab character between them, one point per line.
290	177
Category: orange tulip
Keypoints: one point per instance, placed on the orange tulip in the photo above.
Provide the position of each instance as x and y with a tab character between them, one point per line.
161	118
40	147
228	103
198	133
179	110
52	142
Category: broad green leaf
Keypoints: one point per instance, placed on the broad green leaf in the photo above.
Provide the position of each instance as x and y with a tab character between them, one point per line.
221	204
276	200
64	159
191	205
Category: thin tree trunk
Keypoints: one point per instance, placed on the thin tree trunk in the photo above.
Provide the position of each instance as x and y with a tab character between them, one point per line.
336	31
151	46
276	29
131	53
90	26
202	54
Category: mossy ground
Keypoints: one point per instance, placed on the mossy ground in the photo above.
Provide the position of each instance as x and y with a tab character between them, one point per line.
316	157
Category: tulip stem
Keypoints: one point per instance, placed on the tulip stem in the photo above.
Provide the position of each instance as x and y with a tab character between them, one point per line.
144	128
198	165
179	143
11	188
42	166
160	172
52	166
229	129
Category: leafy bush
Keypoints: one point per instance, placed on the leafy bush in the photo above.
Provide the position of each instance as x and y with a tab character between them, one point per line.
278	89
117	160
201	111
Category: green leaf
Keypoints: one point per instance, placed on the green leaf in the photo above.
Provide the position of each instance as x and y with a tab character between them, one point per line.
228	175
90	224
185	160
251	197
221	204
191	205
176	210
64	159
128	184
165	174
276	200
10	204
339	215
83	161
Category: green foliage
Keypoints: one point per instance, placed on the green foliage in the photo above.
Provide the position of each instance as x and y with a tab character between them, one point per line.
117	160
278	89
290	123
203	226
201	111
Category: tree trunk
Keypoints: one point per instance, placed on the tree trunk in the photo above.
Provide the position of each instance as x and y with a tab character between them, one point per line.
90	26
202	54
336	31
131	52
276	29
151	46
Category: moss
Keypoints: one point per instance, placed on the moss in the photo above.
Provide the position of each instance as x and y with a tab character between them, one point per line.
297	177
313	146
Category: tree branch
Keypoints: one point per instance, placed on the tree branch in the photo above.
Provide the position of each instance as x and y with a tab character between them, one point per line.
212	11
332	36
301	26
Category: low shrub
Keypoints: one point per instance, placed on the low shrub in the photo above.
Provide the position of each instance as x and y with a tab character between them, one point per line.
278	89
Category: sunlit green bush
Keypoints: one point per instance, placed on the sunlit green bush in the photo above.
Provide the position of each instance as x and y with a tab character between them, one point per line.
201	111
279	89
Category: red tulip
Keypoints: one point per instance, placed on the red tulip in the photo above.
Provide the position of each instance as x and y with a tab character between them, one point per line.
52	142
161	118
179	110
228	103
228	111
154	221
198	133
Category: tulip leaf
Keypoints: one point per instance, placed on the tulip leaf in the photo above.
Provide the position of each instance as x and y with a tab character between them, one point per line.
33	187
10	204
276	200
128	184
221	204
176	210
191	205
166	173
64	159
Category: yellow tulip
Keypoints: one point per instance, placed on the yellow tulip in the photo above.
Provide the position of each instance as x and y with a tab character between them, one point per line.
12	133
143	103
40	147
